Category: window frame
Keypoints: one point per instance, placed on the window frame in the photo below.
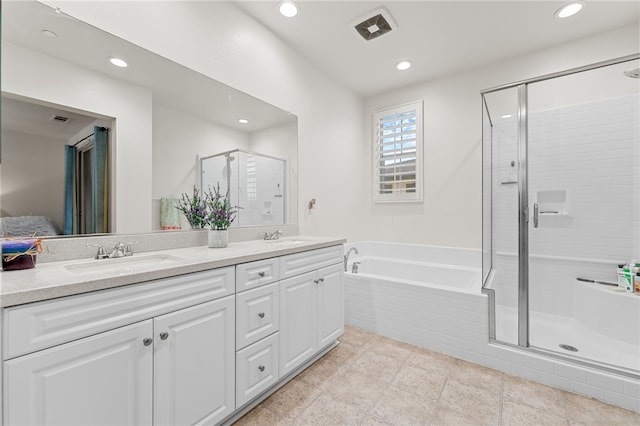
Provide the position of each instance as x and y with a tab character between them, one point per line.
399	196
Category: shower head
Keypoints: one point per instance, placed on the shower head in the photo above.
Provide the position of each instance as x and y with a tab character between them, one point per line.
633	72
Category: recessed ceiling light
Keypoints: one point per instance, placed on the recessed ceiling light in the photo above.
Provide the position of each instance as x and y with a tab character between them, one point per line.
403	65
49	34
288	8
118	62
243	121
506	116
569	9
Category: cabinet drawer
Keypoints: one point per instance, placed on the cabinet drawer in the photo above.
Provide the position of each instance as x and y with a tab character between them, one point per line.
36	326
255	274
256	369
299	263
256	314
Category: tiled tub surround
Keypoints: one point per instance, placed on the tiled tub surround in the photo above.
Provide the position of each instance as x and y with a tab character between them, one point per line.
137	336
455	322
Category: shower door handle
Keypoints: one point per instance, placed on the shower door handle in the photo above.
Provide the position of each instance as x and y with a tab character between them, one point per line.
535	215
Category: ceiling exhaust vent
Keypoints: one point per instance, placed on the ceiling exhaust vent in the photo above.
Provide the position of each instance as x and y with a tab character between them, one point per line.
59	118
374	24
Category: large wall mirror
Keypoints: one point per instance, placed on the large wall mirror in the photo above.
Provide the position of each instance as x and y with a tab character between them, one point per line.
60	90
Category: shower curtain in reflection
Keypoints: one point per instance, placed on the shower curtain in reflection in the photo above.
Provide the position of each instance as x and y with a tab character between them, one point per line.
86	186
99	180
70	205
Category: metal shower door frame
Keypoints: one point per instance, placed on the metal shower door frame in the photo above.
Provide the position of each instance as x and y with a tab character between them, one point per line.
523	192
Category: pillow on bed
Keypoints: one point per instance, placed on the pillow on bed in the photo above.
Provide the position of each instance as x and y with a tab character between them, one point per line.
26	226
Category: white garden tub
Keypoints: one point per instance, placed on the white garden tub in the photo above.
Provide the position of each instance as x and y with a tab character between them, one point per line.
428	296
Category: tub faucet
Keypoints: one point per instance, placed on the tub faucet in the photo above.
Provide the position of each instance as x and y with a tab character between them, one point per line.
346	256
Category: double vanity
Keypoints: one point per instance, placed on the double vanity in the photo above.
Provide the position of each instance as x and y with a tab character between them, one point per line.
182	336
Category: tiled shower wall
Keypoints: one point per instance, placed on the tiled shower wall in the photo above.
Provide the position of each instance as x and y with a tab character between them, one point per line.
590	152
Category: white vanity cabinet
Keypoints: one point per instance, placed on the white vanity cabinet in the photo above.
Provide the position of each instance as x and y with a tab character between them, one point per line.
194	364
198	348
311	305
173	366
108	377
257	326
281	325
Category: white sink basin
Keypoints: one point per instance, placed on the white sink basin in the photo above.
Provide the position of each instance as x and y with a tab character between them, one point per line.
122	265
288	241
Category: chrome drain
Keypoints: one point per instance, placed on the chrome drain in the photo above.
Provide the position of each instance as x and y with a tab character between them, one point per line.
568	348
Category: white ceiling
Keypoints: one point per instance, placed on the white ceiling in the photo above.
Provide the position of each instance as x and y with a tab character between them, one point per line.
172	85
439	37
35	119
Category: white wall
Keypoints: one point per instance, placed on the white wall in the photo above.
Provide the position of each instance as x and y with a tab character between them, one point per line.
451	213
219	40
27	73
29	185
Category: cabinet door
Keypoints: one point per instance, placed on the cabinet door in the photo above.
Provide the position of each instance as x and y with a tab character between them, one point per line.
194	365
105	379
330	305
297	321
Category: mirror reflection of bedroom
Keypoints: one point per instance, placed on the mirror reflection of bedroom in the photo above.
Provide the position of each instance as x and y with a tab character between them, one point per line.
60	158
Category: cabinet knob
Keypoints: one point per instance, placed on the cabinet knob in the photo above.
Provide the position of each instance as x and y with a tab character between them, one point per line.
321	280
261	367
316	281
164	335
261	274
147	341
261	314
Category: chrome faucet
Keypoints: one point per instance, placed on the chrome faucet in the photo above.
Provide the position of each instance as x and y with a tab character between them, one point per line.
121	250
346	256
101	254
272	236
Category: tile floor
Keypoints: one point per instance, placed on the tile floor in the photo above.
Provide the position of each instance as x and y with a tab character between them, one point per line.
372	380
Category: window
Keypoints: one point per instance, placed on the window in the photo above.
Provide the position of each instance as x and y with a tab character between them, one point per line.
252	182
397	169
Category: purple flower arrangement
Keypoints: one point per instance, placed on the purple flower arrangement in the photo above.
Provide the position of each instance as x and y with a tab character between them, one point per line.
193	208
210	209
220	213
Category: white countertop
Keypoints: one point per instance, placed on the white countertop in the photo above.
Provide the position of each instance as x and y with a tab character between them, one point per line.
58	279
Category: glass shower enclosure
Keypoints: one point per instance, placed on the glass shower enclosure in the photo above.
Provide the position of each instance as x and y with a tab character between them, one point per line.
255	184
561	212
